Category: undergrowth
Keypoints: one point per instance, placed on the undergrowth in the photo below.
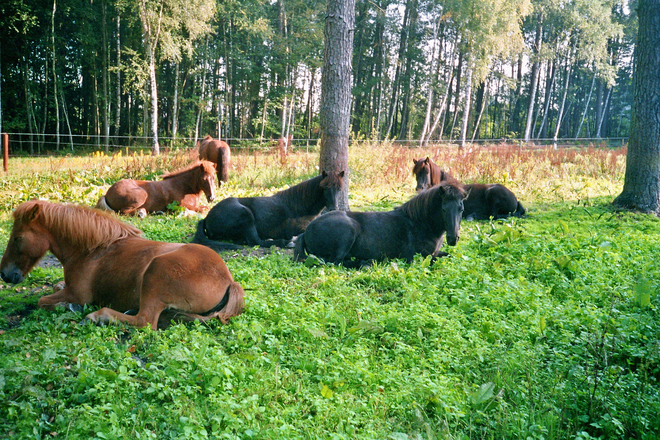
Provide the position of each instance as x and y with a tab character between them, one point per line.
544	327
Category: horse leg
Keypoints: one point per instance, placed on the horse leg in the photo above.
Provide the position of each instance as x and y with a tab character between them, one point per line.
61	296
108	316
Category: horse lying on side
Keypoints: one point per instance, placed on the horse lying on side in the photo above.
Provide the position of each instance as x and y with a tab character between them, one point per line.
416	227
483	201
269	221
140	197
107	263
217	152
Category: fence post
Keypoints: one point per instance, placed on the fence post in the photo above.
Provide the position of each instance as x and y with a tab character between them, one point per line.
5	151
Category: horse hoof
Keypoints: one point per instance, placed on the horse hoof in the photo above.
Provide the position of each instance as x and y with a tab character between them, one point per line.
131	312
85	321
75	308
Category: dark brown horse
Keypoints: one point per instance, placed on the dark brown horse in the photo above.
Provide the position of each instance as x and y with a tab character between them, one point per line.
107	263
143	196
218	152
483	201
269	221
416	227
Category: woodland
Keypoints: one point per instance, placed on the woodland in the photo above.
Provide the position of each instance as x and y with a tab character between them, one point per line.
113	73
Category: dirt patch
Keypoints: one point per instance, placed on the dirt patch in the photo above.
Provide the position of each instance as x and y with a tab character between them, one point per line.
49	261
255	252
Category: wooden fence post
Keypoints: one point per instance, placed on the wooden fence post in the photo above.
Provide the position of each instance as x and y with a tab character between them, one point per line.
5	151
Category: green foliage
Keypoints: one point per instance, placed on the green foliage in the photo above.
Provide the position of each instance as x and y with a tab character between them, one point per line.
543	327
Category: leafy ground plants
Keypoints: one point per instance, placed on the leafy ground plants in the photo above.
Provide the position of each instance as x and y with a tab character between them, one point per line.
544	327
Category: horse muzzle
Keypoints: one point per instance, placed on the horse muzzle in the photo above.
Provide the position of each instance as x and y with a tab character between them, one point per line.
12	274
452	240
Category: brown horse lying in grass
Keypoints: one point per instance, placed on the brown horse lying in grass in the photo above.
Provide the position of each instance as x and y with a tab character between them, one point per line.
483	201
354	239
217	152
107	263
140	197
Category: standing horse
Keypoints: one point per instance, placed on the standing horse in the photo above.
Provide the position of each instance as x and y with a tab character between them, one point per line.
143	196
216	151
269	221
483	201
107	263
416	227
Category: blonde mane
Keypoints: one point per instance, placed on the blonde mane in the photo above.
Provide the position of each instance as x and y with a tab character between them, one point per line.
85	227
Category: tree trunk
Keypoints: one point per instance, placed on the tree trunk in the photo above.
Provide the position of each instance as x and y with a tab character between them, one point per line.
118	89
534	81
641	188
175	100
560	115
55	97
586	107
466	105
335	108
105	67
150	42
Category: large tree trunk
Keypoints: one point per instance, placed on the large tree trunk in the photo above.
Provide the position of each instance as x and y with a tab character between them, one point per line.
335	108
641	188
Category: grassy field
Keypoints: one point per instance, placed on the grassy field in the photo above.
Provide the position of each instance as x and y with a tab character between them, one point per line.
544	327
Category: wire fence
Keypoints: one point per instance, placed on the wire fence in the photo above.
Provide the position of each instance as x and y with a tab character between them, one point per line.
32	144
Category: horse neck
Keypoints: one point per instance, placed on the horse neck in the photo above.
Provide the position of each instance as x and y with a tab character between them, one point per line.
305	198
436	174
182	183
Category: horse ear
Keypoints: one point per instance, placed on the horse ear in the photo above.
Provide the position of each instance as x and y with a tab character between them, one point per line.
467	193
324	174
31	213
415	161
341	174
427	160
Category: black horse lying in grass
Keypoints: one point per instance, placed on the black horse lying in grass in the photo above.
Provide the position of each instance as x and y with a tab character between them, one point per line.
269	221
356	238
483	201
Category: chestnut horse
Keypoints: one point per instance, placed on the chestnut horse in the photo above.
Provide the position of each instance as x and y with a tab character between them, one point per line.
143	196
355	239
483	201
107	263
217	152
269	221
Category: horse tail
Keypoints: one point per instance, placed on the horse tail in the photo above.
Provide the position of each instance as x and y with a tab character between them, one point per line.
231	305
218	246
235	302
102	204
299	250
520	210
224	161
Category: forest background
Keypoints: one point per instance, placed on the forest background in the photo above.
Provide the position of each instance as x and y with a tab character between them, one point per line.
77	73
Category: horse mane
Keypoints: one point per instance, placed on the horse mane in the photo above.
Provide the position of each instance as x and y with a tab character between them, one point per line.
206	165
307	189
425	203
85	227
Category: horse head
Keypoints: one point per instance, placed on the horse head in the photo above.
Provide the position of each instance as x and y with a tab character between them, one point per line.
207	179
452	210
27	244
332	185
422	172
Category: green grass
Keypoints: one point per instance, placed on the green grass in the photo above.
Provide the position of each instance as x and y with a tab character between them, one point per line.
544	327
